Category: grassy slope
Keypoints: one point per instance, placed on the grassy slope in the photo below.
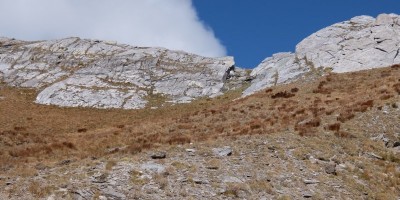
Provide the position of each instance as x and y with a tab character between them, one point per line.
335	114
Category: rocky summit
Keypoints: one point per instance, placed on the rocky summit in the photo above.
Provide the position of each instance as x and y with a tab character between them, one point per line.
76	72
361	43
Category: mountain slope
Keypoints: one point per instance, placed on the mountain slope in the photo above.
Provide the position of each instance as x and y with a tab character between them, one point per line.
328	137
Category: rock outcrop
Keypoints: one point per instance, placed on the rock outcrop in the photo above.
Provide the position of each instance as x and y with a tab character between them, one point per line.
361	43
76	72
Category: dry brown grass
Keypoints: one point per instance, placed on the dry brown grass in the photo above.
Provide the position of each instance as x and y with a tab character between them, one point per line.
29	130
39	191
234	189
283	94
214	164
110	164
31	133
261	186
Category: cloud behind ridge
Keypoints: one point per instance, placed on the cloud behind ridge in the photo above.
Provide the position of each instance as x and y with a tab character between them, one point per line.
172	24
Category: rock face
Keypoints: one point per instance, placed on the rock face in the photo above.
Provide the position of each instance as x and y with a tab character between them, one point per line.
90	73
361	43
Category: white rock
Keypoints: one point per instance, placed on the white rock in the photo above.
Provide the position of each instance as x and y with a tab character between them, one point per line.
153	168
278	69
361	43
77	72
231	179
222	152
190	150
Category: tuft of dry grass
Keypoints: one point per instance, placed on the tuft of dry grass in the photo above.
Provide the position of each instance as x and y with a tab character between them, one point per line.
161	180
283	94
235	189
39	191
214	164
333	127
110	164
261	186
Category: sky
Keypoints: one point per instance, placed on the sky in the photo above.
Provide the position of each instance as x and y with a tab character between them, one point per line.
252	30
249	30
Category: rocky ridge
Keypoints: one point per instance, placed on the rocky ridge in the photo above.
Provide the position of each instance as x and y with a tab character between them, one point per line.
76	72
361	43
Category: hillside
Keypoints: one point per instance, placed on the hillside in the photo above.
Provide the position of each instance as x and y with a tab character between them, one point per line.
335	136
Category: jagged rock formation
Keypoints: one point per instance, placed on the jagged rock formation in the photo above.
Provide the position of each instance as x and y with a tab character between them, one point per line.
363	42
91	73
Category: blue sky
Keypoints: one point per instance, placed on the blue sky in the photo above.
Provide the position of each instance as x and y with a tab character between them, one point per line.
252	30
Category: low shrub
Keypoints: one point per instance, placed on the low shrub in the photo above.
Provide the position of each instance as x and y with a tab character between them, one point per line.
345	116
283	94
397	87
333	127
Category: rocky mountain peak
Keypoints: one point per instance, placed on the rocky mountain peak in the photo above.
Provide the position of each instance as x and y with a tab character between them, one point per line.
360	43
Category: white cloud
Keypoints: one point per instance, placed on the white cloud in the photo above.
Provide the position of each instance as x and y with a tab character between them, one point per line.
173	24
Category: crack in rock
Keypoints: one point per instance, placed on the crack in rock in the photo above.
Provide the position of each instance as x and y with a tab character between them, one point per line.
380	49
397	54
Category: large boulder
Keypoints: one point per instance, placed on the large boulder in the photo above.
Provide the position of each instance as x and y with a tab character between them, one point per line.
361	43
91	73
